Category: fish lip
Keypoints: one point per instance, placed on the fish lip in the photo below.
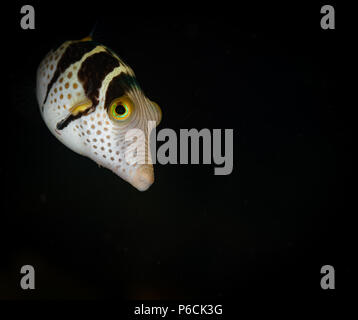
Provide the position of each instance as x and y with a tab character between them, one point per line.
143	177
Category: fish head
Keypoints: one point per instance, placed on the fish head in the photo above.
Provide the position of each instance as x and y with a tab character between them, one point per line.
116	135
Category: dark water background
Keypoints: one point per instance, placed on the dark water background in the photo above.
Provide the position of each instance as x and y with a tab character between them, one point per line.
270	74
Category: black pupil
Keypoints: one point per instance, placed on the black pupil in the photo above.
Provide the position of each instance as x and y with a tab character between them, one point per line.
120	109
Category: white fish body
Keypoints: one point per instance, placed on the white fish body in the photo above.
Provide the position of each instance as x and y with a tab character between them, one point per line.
89	99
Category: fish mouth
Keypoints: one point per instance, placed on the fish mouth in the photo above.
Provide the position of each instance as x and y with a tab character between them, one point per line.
143	177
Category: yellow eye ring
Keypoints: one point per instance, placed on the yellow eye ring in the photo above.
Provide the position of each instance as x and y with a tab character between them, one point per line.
121	109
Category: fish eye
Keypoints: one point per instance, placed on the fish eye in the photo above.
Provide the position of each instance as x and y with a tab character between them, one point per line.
121	108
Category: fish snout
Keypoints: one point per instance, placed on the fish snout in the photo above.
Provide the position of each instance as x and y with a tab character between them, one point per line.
143	177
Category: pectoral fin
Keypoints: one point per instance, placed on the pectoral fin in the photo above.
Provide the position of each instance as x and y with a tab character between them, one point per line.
79	109
158	112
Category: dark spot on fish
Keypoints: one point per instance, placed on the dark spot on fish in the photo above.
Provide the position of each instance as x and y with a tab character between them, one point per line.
93	71
73	53
120	85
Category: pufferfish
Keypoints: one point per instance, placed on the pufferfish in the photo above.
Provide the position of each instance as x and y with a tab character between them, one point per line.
90	99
